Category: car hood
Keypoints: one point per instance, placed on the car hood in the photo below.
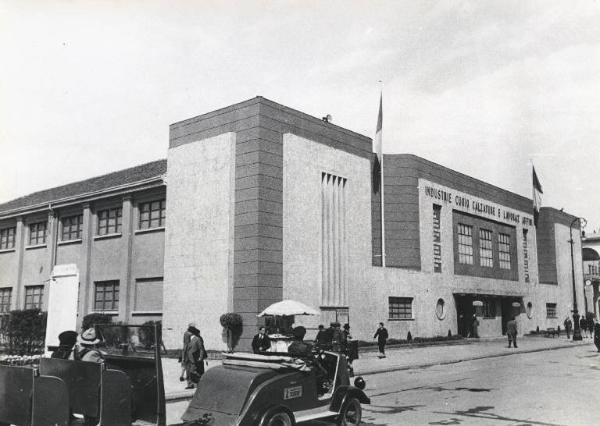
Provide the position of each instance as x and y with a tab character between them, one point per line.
223	390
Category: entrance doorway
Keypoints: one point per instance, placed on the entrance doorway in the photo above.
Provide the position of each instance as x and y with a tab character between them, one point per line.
464	313
509	311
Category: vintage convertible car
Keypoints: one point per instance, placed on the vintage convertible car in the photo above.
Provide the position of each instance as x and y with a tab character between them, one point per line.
251	389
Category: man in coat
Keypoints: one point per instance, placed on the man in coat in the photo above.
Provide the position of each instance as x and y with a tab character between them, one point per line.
568	326
511	332
261	342
381	335
194	356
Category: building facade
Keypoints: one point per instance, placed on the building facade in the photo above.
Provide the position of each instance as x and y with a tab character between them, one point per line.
591	273
258	202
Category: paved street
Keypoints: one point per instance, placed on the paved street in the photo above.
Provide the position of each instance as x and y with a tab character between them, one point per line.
558	387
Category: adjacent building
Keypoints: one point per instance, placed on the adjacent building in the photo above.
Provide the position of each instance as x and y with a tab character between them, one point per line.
258	202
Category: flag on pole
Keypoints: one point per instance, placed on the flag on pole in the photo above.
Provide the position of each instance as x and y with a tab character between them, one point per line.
537	197
377	149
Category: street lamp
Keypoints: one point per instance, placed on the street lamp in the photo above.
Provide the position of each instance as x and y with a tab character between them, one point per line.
576	329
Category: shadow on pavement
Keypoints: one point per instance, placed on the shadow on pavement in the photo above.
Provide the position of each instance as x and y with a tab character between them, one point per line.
480	413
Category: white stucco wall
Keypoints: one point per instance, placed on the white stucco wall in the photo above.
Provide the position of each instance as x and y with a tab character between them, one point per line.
198	271
304	161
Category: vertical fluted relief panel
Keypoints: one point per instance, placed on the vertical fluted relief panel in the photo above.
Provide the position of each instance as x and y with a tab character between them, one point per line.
334	290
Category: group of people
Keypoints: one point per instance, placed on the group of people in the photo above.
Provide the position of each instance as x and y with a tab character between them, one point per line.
586	325
192	357
80	347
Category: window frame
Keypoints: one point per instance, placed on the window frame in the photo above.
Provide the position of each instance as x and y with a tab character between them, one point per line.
103	221
400	308
114	291
486	248
463	242
551	310
5	300
503	255
72	230
36	233
148	218
35	299
8	237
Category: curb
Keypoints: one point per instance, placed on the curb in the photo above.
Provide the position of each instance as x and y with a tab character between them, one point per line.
473	358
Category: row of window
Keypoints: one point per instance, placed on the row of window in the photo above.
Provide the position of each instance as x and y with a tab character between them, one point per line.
401	308
486	249
151	215
148	296
33	297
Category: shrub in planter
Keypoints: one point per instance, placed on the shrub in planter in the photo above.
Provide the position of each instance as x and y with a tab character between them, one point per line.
147	334
26	330
95	319
232	329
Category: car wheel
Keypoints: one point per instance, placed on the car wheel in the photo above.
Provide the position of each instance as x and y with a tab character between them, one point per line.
277	416
351	413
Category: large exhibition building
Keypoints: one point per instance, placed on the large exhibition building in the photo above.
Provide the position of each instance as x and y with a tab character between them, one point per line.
257	202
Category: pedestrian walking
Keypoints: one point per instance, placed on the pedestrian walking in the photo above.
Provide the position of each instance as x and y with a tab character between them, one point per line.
381	335
261	342
597	336
475	327
321	339
583	326
511	332
590	324
568	326
337	337
351	348
194	357
187	335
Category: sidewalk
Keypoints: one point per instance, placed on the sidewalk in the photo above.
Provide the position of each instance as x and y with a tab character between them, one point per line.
405	357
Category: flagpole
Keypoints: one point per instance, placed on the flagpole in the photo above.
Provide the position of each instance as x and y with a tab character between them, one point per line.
382	185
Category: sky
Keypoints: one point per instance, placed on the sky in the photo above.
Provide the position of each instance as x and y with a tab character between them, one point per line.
481	87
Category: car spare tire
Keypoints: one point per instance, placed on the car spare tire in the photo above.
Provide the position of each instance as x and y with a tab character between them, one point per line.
277	416
351	413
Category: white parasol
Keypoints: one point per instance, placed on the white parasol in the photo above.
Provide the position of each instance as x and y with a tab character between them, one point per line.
288	308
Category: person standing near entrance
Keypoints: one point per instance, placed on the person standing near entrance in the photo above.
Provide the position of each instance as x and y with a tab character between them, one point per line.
597	336
568	326
511	332
475	327
382	335
583	326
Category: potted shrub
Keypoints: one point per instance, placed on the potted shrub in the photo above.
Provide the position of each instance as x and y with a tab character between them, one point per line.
232	329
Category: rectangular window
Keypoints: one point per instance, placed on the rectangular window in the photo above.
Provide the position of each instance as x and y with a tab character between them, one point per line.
504	250
5	299
109	221
71	227
550	310
106	296
37	233
400	308
486	253
489	308
525	256
334	287
33	296
437	238
152	214
7	238
148	295
465	244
